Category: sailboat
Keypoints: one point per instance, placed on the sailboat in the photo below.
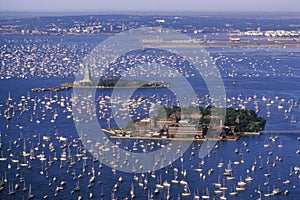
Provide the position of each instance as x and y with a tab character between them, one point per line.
291	171
223	196
276	191
268	194
228	170
11	190
287	182
261	164
24	153
293	119
159	185
7	112
132	195
168	194
175	180
220	164
196	195
9	146
233	192
2	158
30	195
166	184
223	187
218	184
24	163
150	195
267	181
206	195
241	182
240	188
24	187
248	178
186	191
140	182
77	188
102	193
266	143
268	173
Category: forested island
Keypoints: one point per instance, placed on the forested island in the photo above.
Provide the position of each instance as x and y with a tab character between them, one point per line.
242	119
117	83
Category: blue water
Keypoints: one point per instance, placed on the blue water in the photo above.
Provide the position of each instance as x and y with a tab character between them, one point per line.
251	80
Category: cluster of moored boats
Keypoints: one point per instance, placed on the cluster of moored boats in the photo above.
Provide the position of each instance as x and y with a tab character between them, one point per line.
33	142
40	57
73	164
22	57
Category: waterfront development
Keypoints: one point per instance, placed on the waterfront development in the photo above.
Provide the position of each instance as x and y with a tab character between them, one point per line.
252	152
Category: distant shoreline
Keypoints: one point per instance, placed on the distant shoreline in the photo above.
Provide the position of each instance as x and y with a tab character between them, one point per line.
15	14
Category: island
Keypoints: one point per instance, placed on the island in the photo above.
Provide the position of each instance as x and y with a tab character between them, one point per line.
192	124
87	82
117	83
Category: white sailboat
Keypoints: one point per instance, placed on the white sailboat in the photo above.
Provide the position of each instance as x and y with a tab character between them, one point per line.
24	187
175	180
229	169
233	192
196	195
132	195
266	143
159	185
223	187
223	197
2	158
268	194
11	189
186	191
30	195
168	194
206	195
241	183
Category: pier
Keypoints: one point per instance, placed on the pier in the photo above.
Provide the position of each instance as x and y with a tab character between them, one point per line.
175	139
111	132
222	44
